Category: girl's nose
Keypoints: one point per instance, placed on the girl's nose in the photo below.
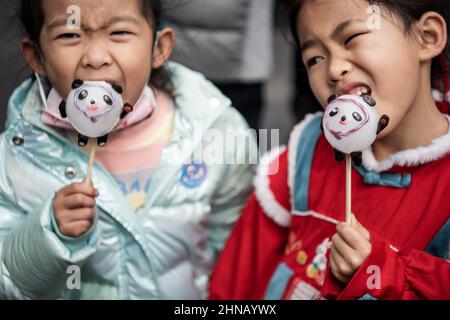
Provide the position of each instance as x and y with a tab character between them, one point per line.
337	69
96	55
92	101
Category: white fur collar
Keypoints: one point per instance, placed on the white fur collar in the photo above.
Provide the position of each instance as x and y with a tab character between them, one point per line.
266	198
411	157
440	96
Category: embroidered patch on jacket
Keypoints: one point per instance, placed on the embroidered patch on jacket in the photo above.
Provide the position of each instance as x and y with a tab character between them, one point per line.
193	175
295	245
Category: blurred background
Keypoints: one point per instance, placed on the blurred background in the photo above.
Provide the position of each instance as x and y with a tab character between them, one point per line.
269	89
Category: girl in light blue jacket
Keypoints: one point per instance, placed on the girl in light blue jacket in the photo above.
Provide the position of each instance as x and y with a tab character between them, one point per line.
165	191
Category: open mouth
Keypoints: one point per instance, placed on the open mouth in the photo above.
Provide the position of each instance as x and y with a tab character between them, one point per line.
361	91
357	89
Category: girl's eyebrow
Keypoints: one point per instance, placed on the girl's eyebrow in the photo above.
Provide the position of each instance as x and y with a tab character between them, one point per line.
340	28
114	19
124	18
57	23
307	44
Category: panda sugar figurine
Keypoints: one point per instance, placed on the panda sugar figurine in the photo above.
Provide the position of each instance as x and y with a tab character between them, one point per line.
94	108
351	125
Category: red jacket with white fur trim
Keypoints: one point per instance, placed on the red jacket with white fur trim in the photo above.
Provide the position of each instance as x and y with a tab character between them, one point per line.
279	248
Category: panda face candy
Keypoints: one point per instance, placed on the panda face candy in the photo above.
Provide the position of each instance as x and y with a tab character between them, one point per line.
94	107
351	123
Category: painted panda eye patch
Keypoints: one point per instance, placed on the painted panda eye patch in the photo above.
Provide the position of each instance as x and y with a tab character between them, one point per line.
108	100
334	112
357	116
82	95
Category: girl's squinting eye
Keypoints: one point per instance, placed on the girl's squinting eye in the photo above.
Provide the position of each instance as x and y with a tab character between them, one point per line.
353	37
313	61
68	36
121	33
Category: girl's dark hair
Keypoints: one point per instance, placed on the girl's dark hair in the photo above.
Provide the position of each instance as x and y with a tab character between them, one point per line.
409	10
32	17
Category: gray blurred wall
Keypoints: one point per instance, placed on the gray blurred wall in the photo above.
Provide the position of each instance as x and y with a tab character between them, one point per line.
13	69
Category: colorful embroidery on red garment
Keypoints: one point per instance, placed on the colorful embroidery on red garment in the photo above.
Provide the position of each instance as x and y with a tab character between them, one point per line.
293	244
316	270
302	257
300	290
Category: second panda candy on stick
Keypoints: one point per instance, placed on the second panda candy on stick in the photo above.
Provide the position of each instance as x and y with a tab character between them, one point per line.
351	125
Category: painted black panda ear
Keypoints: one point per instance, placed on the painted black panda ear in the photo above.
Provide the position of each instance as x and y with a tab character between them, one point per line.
356	158
332	98
383	123
117	88
62	109
77	83
338	155
127	108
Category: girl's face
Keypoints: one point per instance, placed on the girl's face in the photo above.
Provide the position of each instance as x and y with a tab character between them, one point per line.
344	56
113	44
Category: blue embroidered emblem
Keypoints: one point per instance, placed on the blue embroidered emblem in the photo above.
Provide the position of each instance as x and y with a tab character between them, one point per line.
193	174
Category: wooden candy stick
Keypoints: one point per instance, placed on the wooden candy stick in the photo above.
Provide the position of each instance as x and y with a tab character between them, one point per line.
348	189
90	163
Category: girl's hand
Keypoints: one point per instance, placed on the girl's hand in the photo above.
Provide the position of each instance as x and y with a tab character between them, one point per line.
74	208
350	247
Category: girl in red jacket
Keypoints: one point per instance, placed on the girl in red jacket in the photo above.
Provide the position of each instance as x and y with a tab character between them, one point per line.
290	242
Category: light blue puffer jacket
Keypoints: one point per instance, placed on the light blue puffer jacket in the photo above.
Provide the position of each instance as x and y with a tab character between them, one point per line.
166	251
